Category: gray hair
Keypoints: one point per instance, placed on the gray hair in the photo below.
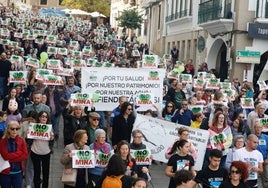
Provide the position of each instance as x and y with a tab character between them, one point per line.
98	132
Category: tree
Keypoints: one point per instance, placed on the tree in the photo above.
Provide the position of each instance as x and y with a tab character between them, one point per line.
102	6
130	19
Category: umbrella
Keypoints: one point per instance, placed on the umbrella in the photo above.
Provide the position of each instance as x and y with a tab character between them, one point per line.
97	14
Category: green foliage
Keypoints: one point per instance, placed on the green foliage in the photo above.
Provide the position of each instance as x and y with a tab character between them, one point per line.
102	6
130	19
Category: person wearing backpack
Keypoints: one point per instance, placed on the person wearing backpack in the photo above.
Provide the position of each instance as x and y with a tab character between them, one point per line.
114	175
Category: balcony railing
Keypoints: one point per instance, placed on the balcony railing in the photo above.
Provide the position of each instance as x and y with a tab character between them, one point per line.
262	9
214	10
178	15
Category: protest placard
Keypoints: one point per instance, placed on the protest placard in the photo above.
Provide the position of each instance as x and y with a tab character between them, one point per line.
262	85
83	159
39	131
18	76
247	103
213	83
102	158
149	61
41	72
81	99
142	157
52	80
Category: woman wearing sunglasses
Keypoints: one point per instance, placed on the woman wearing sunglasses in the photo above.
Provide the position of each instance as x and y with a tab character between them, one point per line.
238	176
14	150
40	153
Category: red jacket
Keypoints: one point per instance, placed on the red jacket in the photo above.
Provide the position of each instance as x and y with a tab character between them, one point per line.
19	156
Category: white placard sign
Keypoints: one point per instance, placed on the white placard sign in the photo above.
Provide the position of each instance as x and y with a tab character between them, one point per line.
39	131
142	157
111	83
160	134
83	159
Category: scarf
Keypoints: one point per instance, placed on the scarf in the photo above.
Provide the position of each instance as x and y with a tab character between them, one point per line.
101	147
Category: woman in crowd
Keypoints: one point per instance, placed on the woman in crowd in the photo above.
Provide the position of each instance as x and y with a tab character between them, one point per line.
220	137
40	154
168	111
74	119
123	124
142	170
123	150
239	142
238	128
14	150
180	160
99	146
139	183
116	169
80	140
183	134
238	175
197	120
11	96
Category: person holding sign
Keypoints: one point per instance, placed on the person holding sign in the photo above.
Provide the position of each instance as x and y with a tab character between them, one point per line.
142	170
123	150
179	161
80	140
102	151
41	149
14	150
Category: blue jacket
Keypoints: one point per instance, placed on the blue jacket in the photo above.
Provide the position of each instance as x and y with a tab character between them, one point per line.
184	119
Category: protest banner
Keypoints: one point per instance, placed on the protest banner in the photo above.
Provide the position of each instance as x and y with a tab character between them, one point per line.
32	62
83	159
247	103
186	78
264	123
66	72
199	83
262	85
18	76
142	157
39	131
225	85
111	83
102	158
196	108
135	53
160	134
231	94
145	99
15	59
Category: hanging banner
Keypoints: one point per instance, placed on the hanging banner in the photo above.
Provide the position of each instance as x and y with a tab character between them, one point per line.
111	83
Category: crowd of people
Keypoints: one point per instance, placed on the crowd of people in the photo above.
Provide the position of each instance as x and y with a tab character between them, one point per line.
237	147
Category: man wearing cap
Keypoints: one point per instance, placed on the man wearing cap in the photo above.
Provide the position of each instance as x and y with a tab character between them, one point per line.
93	120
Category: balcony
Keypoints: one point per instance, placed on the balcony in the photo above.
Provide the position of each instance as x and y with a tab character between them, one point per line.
215	16
177	15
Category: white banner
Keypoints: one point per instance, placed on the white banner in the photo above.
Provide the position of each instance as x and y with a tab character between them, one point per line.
111	83
160	134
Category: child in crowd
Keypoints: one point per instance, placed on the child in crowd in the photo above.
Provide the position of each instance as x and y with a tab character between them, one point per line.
3	124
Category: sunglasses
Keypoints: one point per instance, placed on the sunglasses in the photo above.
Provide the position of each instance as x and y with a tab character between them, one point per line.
95	119
13	128
235	172
130	109
43	116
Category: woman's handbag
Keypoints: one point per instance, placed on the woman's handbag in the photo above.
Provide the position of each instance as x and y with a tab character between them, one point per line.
69	176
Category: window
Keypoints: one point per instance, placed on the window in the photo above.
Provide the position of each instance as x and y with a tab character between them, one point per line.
159	17
43	2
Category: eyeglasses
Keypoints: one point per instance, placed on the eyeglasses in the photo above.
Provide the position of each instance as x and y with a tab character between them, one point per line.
235	172
43	116
15	128
95	119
